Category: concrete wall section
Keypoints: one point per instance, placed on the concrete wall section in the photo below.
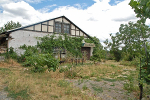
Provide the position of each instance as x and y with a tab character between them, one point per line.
91	51
22	37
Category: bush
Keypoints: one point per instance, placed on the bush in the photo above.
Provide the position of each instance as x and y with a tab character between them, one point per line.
11	54
41	62
117	54
127	56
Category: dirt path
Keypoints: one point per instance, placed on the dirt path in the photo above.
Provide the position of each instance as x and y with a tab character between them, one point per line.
103	90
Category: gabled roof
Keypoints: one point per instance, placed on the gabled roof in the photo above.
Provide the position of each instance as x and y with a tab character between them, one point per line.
9	31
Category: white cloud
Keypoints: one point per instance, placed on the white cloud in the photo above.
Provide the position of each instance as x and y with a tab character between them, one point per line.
47	8
98	20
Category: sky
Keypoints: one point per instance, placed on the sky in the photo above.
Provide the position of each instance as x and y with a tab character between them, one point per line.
95	17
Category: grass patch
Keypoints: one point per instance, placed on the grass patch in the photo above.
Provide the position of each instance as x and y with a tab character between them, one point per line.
97	89
86	77
20	95
4	69
98	79
80	81
84	87
52	85
109	80
62	83
112	84
113	66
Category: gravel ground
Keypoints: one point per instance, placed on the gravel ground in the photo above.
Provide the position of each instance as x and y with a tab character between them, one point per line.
3	94
104	90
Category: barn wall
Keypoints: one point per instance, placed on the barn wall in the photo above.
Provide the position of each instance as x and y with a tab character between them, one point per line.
28	34
22	37
91	51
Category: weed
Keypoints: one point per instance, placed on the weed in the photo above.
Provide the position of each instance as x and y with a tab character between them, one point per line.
92	74
97	89
80	81
70	74
112	84
98	79
62	83
113	66
23	94
54	96
86	77
84	87
4	69
129	85
109	80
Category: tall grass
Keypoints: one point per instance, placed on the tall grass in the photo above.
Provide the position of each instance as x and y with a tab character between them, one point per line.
23	84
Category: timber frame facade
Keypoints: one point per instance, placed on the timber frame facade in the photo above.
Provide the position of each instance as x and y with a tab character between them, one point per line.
49	26
27	34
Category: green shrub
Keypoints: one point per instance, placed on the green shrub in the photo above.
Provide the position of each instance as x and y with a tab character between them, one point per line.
11	54
41	62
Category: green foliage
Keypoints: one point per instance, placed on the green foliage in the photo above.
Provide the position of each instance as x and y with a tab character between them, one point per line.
98	52
47	44
22	95
84	87
129	85
29	51
141	8
41	62
145	70
10	25
117	54
129	40
97	89
63	83
11	54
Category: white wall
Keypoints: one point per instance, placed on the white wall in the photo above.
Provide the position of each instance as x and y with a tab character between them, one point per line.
22	37
91	51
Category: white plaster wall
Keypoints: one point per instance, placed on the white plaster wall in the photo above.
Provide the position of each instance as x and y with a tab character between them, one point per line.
44	28
22	37
81	33
72	26
72	32
91	51
58	19
51	22
65	21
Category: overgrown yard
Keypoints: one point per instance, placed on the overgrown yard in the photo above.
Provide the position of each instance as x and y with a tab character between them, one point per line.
105	81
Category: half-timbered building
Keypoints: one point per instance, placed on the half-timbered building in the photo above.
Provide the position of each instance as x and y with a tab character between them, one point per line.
27	34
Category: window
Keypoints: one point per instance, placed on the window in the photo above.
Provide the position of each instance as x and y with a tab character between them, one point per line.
58	27
62	28
66	28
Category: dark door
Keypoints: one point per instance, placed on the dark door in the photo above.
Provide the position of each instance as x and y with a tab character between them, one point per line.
87	50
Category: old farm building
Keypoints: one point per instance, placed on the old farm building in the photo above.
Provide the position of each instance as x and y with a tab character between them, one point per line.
27	35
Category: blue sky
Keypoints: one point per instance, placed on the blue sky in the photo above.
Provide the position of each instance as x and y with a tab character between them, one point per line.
96	17
42	4
84	3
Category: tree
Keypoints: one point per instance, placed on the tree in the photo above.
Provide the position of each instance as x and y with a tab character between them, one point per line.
98	52
10	25
141	8
114	47
129	39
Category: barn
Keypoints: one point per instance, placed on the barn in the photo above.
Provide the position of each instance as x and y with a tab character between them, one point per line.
27	34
